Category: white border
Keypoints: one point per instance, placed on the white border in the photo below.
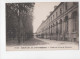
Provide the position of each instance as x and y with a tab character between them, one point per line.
58	54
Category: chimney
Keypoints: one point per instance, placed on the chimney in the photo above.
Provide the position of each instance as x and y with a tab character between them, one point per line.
55	7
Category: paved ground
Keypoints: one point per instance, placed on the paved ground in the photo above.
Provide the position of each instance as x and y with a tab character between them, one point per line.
43	43
30	42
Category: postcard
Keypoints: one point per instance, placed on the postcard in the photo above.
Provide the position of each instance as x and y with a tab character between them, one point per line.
42	26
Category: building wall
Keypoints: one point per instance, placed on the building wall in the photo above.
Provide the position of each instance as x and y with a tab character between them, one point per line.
61	22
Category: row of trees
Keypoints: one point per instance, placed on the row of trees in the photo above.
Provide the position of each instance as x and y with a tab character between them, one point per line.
19	18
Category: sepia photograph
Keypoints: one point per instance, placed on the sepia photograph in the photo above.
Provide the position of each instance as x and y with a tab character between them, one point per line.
42	26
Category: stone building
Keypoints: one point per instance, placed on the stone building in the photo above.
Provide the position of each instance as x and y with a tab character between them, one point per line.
62	23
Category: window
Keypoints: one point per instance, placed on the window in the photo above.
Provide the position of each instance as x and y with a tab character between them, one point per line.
56	14
53	16
60	10
74	17
60	26
66	6
56	27
75	3
66	24
51	29
53	24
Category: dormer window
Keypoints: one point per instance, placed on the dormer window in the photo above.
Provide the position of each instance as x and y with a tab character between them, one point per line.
66	6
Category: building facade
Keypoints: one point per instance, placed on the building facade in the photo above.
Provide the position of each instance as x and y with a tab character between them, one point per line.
62	23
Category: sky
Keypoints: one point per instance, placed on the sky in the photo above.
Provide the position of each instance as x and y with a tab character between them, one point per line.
41	11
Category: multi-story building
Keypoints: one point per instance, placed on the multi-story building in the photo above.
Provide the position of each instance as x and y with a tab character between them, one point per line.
62	23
